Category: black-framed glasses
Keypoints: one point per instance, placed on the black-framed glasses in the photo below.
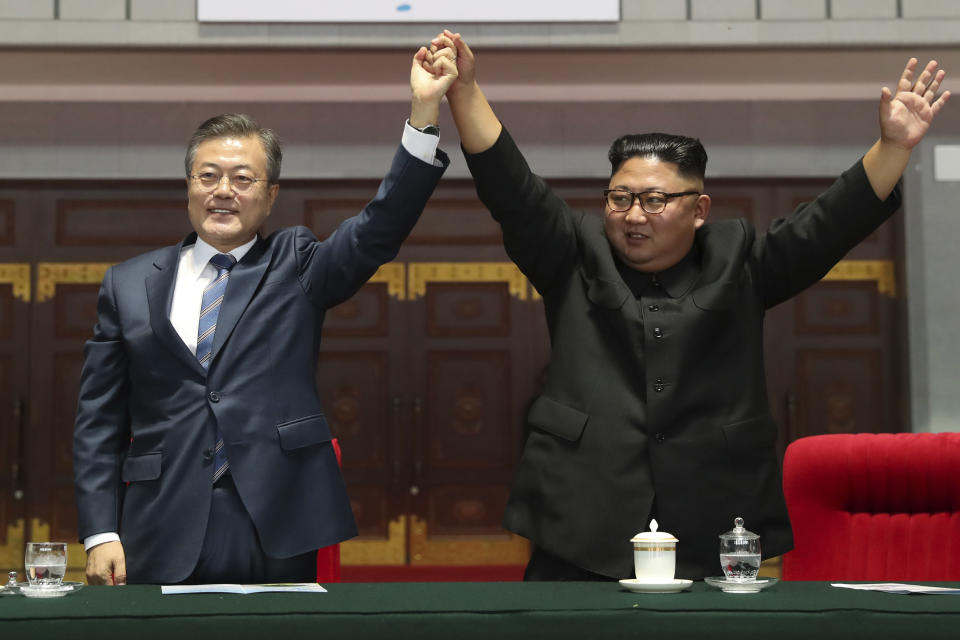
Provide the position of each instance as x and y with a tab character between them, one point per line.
240	182
652	202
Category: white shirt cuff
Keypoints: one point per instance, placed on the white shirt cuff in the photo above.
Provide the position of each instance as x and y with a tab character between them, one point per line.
99	538
421	145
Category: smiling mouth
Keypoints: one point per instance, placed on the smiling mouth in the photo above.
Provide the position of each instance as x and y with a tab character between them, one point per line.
637	236
221	211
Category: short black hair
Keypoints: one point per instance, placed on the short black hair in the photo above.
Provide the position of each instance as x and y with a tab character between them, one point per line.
239	125
687	153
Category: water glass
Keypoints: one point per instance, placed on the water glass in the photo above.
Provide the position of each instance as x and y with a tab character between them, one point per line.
740	553
45	563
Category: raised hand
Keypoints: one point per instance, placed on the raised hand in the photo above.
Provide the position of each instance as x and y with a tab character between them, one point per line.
905	116
430	77
451	45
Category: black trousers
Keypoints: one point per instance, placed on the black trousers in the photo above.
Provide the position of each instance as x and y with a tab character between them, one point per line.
546	566
232	552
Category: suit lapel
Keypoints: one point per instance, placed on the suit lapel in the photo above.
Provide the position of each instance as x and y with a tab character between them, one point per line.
159	299
245	277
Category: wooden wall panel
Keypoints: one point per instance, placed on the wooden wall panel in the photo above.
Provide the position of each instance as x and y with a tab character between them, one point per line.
840	391
7	222
466	509
366	314
838	308
468	309
126	222
468	410
354	391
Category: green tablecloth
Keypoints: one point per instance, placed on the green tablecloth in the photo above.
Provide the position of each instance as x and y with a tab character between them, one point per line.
485	610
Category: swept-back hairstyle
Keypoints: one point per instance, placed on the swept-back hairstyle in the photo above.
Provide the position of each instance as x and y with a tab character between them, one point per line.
240	126
687	153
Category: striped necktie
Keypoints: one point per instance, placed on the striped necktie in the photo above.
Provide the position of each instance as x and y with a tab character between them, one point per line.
209	310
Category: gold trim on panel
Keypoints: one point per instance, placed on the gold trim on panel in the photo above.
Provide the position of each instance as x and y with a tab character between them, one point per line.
464	550
50	274
17	274
423	272
880	271
11	554
393	275
392	551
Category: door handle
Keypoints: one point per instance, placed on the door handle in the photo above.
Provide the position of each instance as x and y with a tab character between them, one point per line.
16	476
397	454
417	444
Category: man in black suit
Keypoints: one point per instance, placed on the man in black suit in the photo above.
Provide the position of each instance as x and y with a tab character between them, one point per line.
655	402
201	451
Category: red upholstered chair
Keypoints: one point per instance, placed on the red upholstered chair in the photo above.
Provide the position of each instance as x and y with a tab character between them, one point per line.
328	558
874	507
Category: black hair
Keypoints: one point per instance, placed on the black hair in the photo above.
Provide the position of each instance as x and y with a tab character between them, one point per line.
687	153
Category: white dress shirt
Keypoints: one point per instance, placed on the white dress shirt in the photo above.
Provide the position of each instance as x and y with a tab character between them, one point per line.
194	273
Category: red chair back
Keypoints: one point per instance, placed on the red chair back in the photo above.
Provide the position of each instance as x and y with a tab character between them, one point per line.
328	558
875	507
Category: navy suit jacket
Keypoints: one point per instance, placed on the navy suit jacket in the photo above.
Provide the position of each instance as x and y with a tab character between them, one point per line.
148	411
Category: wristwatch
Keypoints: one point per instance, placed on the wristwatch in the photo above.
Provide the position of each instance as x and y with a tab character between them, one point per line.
430	129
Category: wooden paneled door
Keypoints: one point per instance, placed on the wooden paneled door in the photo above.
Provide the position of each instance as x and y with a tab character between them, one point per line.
426	374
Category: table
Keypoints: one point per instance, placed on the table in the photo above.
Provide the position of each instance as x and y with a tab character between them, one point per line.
582	610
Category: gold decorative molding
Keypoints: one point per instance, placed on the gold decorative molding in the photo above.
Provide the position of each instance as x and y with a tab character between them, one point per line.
392	551
11	554
880	271
464	550
50	274
18	275
422	273
393	275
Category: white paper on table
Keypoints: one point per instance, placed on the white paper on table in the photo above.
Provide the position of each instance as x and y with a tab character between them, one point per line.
287	587
897	587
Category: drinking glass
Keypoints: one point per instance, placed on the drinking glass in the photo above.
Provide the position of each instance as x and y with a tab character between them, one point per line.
45	563
740	553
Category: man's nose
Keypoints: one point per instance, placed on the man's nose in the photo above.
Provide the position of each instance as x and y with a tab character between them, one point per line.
636	213
224	188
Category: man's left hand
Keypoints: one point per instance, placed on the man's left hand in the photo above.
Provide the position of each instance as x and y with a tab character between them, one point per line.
906	115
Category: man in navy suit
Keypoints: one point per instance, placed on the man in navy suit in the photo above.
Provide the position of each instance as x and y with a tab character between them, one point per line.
221	469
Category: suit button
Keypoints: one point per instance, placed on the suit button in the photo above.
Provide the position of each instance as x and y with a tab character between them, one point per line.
653	307
657	333
214	396
658	387
208	454
660	437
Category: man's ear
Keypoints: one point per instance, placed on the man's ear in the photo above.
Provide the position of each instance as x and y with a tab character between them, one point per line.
702	210
272	197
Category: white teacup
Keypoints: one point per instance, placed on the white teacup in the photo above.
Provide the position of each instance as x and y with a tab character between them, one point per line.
654	555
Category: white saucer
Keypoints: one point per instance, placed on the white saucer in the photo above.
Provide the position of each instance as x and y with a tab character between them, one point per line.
49	592
646	586
729	586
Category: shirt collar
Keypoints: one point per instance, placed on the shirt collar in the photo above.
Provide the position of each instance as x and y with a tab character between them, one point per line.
202	252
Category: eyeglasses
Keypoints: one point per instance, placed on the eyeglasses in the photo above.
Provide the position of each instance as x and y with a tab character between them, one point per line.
652	202
240	183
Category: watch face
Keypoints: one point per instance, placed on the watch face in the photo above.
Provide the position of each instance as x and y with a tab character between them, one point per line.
431	129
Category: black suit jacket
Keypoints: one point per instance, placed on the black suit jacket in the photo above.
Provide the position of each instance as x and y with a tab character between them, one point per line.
661	396
140	381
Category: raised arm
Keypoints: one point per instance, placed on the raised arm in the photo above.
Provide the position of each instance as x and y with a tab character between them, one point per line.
905	117
477	123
